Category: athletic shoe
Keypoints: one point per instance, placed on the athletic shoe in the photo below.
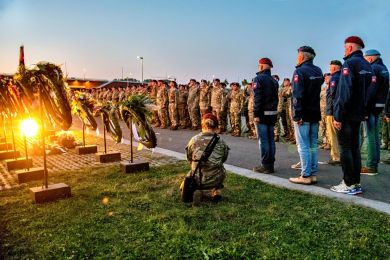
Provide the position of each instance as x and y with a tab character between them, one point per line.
341	188
296	166
368	171
355	189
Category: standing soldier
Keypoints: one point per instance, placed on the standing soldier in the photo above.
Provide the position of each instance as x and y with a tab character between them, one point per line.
115	95
204	97
153	96
193	104
335	67
173	99
251	115
182	107
235	98
349	111
217	103
225	108
265	107
378	94
308	80
245	103
162	104
279	117
322	127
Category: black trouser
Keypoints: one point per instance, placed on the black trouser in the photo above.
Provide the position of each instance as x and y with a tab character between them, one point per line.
348	138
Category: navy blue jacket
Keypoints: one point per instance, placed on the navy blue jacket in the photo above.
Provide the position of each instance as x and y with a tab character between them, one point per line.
307	82
266	97
353	90
331	92
379	88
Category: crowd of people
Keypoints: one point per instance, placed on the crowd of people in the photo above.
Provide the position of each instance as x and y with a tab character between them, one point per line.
310	109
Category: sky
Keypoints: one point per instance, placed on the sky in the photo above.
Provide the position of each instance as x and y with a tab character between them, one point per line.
185	39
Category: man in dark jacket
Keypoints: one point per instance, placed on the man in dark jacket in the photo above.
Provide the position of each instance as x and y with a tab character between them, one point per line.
350	109
265	111
335	71
378	94
307	82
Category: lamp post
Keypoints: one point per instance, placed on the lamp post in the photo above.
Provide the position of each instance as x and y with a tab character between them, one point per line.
142	67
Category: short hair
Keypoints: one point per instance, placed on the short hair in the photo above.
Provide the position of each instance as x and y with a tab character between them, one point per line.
308	55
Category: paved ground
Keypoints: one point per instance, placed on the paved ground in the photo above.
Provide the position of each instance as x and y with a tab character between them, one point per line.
245	153
72	161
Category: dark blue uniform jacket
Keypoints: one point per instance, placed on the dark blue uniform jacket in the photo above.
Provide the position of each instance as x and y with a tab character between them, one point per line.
379	87
331	92
266	97
352	95
307	82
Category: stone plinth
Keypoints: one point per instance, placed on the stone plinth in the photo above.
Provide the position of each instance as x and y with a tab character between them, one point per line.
88	149
51	193
34	174
135	166
108	157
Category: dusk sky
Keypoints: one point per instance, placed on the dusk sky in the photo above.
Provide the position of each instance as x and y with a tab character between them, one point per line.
185	38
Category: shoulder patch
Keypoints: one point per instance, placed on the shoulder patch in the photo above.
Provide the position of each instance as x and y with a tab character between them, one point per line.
345	72
373	79
296	78
254	85
333	83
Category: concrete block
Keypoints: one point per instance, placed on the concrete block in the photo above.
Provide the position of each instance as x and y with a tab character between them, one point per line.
136	166
108	157
34	174
88	149
51	193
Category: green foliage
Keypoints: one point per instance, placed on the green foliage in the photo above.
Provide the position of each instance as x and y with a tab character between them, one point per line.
112	215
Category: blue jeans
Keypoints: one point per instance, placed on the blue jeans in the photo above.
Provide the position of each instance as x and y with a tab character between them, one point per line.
265	135
371	127
307	136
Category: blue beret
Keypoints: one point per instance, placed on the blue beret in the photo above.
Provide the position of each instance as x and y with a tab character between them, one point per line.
307	49
372	52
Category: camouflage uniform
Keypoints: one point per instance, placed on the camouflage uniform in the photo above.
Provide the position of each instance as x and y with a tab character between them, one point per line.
108	95
283	113
235	98
251	113
115	95
162	104
173	98
287	93
218	101
322	126
245	104
225	109
204	99
182	108
213	172
193	106
122	95
153	97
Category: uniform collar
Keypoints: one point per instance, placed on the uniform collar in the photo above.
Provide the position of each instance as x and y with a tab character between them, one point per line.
353	54
377	61
266	71
304	63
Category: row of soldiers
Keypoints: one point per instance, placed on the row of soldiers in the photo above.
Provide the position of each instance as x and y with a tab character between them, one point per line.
181	106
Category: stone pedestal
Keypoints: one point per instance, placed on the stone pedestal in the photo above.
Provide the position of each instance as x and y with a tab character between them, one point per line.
34	174
51	193
4	155
19	163
108	157
136	166
5	146
88	149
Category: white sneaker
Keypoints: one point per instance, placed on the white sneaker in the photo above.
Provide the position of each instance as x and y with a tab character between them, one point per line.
341	188
296	166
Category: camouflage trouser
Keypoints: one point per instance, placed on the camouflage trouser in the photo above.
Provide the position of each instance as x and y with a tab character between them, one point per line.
322	130
246	118
183	117
282	121
173	114
235	121
332	134
224	118
218	114
385	132
163	117
290	125
194	116
252	130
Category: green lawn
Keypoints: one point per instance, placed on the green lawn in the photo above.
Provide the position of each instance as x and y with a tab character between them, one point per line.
112	215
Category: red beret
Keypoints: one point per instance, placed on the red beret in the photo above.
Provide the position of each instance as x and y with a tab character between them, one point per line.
211	117
266	61
354	39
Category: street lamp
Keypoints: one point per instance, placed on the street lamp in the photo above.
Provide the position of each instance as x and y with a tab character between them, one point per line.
142	67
